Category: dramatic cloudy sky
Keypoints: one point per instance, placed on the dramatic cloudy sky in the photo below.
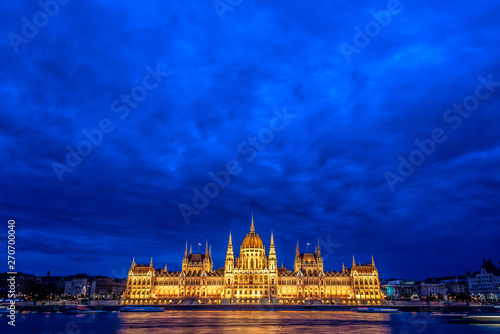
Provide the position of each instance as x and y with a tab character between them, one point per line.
353	104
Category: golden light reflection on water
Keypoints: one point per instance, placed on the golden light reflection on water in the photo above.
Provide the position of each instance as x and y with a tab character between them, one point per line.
253	322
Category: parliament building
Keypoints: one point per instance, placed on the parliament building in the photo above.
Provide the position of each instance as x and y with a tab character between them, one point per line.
252	278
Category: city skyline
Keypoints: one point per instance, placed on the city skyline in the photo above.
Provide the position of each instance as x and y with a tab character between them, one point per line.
128	129
198	247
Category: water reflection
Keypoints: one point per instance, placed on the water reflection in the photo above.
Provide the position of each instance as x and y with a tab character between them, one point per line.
254	322
239	321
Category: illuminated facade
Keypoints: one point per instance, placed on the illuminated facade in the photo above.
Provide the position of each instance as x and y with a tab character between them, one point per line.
252	277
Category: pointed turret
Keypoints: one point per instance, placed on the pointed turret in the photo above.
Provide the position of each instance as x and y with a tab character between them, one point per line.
165	270
151	263
206	249
133	262
210	252
186	251
297	263
373	261
190	249
319	250
229	255
272	250
273	261
316	250
252	228
353	262
343	268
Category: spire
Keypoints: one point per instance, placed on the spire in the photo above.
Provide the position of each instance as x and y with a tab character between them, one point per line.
229	264
353	262
190	249
133	262
210	252
252	228
297	254
151	263
319	250
272	250
206	249
373	261
230	245
343	268
186	251
165	270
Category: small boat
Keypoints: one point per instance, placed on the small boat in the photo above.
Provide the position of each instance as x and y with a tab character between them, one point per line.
485	318
141	309
449	315
79	310
377	310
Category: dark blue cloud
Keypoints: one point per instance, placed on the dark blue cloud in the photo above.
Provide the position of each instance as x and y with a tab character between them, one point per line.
322	176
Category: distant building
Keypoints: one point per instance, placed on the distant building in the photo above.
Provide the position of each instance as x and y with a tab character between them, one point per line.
432	287
485	283
50	285
400	289
455	285
107	288
78	285
25	285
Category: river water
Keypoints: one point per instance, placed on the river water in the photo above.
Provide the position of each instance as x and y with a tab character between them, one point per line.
220	321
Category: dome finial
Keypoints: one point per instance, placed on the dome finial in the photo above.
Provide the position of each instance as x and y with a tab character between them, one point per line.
252	228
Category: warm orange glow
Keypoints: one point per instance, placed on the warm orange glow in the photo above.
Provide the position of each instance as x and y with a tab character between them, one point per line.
252	277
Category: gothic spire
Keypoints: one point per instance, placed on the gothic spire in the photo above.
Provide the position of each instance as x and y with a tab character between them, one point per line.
319	250
252	228
186	251
165	270
151	263
373	261
230	245
297	254
190	249
133	262
272	250
353	262
206	249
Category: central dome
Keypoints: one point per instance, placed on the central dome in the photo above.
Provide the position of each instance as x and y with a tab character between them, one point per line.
252	240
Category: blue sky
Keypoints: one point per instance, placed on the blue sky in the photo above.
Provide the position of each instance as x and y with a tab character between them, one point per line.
112	112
